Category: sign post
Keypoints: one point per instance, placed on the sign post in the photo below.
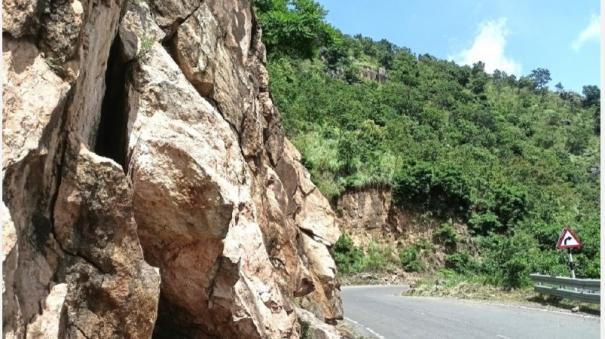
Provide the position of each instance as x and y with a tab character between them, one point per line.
568	240
571	266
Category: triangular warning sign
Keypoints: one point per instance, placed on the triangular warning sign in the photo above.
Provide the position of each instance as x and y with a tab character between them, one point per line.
568	240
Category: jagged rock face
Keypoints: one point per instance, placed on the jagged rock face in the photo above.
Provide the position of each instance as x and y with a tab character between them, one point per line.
74	266
370	215
366	208
149	187
379	75
111	288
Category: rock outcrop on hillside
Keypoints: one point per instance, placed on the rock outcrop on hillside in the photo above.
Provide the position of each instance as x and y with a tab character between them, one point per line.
148	188
368	208
370	215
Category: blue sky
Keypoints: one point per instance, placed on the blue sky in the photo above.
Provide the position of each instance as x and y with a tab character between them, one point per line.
512	35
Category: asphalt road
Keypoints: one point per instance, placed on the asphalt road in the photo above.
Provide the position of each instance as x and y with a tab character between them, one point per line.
381	312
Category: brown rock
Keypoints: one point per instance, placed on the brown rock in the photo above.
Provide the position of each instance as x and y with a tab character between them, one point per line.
34	99
192	203
32	93
205	43
196	60
61	26
49	324
169	13
19	17
138	30
315	329
112	291
201	182
95	274
313	212
365	209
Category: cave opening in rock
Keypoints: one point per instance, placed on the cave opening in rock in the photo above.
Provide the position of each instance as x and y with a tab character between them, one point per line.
112	133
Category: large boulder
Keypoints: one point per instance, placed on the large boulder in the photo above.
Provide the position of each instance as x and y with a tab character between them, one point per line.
148	185
71	255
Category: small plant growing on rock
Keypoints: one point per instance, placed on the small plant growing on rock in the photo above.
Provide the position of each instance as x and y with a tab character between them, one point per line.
305	331
54	64
147	42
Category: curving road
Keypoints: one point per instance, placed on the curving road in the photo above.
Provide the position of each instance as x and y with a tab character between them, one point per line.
381	312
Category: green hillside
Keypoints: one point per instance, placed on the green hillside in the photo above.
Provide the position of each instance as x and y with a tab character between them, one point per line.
509	157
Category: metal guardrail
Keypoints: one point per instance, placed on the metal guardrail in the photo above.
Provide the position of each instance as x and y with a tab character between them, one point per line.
584	290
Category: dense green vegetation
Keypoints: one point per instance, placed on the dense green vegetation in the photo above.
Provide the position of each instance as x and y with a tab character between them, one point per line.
352	259
507	156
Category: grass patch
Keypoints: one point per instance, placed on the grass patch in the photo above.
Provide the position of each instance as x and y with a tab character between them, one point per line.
146	42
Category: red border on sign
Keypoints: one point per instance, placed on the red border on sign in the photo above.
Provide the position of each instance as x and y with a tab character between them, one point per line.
562	247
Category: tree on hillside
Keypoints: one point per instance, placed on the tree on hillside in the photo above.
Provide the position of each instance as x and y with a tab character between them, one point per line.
295	27
592	98
478	78
592	95
540	77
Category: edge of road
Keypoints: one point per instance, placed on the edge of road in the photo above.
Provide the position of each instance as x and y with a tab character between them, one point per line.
527	306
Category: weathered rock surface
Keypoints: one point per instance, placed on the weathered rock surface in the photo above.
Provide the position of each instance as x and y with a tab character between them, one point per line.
371	73
369	215
50	324
315	329
19	17
111	288
367	208
148	185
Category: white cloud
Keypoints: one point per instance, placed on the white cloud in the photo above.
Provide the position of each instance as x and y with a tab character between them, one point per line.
488	47
590	32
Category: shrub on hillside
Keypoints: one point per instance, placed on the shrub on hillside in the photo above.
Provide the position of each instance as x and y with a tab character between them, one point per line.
348	257
411	257
500	152
438	188
460	262
483	223
446	235
353	259
377	257
508	259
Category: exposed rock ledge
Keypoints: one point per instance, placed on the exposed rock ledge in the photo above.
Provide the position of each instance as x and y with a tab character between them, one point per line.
148	189
370	214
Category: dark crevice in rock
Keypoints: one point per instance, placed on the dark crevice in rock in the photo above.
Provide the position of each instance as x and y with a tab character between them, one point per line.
81	331
112	140
307	232
170	320
312	235
33	181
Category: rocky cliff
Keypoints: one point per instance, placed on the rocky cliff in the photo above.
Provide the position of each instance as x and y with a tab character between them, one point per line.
370	215
148	189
